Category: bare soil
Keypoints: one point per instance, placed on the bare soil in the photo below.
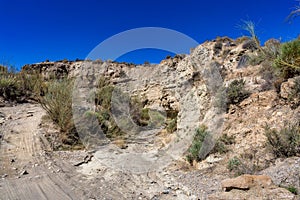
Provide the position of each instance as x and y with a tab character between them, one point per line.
31	170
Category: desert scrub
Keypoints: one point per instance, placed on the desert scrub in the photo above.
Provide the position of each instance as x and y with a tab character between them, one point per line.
193	151
172	125
139	114
292	189
130	111
171	122
143	116
254	43
157	118
57	102
32	83
9	85
221	145
285	142
19	86
236	92
103	98
268	73
269	53
257	59
233	94
239	167
233	164
288	60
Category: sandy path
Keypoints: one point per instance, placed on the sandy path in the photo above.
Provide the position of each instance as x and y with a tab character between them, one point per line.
21	153
28	170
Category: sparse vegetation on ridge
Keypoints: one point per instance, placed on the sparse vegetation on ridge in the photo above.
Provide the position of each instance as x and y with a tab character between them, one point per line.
236	91
19	86
249	26
284	142
233	94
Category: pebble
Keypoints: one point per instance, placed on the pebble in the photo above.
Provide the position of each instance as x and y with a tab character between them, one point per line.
166	191
4	175
2	121
154	198
24	172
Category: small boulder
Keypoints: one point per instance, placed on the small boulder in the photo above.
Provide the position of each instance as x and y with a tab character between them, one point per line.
24	172
245	182
286	88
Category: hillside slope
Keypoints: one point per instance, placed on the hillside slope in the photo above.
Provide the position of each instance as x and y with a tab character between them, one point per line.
151	162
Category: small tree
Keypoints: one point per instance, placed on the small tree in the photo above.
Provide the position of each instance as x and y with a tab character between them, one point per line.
288	61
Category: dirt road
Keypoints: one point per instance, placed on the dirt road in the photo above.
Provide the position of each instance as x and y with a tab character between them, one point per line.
30	170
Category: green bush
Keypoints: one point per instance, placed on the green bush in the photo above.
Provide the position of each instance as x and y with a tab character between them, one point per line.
233	94
139	114
238	168
236	92
31	83
203	134
267	54
103	99
292	189
171	120
193	151
103	96
57	101
285	142
172	125
9	87
19	86
157	118
135	112
219	147
233	164
288	61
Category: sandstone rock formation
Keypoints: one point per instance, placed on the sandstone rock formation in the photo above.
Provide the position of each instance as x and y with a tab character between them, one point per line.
191	85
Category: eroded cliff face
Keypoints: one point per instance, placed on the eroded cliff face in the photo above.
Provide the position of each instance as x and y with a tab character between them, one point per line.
191	85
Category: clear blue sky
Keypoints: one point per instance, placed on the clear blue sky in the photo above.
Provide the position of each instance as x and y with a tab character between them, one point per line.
36	30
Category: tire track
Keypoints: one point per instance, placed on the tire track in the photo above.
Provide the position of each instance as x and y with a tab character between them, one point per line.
38	180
